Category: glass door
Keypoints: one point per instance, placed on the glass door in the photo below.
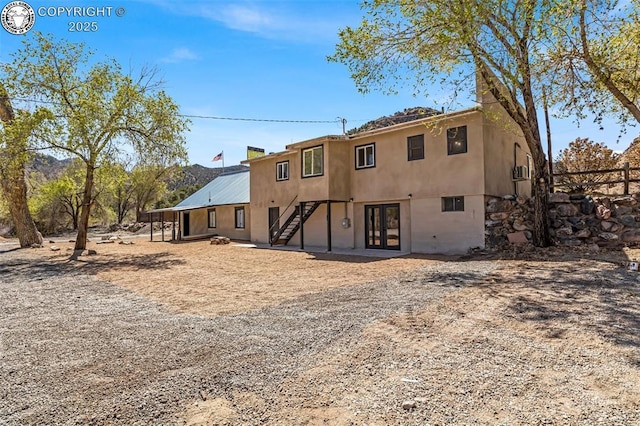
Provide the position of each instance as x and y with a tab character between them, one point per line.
382	223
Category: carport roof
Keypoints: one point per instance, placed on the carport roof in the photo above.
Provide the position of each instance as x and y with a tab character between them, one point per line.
228	188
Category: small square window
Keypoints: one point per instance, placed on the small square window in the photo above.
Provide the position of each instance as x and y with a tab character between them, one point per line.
212	218
457	140
365	156
239	217
415	147
452	204
282	171
312	161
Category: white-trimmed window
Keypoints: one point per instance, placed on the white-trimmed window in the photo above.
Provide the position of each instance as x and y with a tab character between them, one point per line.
452	204
282	170
239	217
312	161
212	218
366	156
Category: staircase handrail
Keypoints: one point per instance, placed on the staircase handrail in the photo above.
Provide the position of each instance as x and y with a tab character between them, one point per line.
277	222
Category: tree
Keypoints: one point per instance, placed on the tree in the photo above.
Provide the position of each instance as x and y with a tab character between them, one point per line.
63	196
583	155
100	112
16	130
596	59
422	41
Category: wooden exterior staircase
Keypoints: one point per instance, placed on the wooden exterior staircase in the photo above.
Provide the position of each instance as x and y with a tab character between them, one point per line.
284	234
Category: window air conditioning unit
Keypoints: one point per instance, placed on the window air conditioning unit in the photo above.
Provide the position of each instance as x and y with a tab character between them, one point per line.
520	173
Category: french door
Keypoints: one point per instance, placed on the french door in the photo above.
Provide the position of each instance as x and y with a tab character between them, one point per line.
382	223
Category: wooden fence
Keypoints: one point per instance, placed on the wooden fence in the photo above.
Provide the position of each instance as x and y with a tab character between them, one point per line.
625	172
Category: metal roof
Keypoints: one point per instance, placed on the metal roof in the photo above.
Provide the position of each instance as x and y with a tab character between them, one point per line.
229	188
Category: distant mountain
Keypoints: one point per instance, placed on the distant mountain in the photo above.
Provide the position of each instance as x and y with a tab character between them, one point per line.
49	166
194	175
199	176
409	114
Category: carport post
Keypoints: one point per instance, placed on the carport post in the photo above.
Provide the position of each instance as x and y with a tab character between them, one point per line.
151	223
162	225
173	229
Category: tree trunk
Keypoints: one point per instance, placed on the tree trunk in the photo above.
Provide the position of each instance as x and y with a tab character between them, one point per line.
12	179
540	192
15	189
85	210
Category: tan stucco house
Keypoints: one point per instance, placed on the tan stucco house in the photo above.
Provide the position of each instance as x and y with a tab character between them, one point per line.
419	186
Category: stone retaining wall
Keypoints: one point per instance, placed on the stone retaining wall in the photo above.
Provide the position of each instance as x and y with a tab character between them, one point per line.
576	220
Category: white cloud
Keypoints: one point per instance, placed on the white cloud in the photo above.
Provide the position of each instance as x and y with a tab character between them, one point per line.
272	20
180	54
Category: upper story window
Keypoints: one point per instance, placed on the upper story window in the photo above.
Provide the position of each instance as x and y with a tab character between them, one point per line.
312	161
452	204
415	147
212	218
457	140
365	156
282	170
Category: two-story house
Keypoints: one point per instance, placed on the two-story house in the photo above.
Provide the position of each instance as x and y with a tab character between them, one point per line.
419	186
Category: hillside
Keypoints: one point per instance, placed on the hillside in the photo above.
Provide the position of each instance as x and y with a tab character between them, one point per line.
199	176
193	175
409	114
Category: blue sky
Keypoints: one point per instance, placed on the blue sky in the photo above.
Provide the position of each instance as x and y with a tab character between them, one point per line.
263	59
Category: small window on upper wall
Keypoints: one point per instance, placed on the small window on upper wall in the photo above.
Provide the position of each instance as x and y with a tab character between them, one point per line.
415	147
452	204
312	161
282	170
457	140
365	156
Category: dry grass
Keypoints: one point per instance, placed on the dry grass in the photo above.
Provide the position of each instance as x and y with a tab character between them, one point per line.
203	279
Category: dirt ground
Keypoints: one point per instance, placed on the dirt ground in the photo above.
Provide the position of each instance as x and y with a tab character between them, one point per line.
527	337
199	278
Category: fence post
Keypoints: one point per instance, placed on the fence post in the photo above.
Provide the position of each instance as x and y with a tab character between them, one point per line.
626	178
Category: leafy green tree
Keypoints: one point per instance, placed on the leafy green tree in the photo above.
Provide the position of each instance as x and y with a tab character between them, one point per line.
583	155
437	40
595	61
17	128
62	197
150	184
100	112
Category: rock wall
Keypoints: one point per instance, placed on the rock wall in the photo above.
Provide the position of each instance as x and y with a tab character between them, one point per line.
576	220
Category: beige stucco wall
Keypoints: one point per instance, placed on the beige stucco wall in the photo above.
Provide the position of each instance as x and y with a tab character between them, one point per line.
225	222
394	177
504	142
435	231
315	228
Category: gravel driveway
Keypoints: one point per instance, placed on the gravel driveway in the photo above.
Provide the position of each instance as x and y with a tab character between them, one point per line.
449	343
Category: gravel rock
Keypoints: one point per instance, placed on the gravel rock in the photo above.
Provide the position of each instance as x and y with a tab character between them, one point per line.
482	343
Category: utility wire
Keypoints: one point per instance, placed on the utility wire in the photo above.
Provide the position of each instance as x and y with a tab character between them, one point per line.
258	119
